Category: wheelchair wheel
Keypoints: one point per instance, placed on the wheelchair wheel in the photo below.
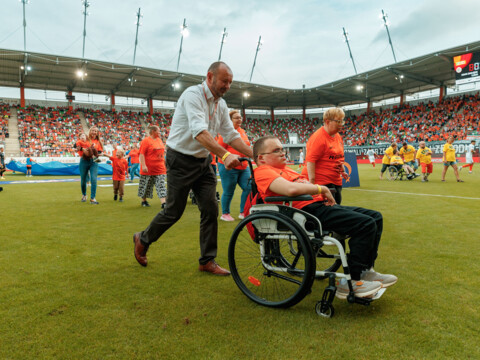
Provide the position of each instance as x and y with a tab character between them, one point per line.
392	173
263	264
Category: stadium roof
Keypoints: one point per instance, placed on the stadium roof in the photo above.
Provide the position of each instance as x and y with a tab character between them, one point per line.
59	73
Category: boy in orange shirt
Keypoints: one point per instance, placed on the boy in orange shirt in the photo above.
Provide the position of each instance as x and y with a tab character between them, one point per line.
274	178
120	168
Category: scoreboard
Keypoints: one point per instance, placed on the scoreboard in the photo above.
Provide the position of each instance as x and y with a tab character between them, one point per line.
467	68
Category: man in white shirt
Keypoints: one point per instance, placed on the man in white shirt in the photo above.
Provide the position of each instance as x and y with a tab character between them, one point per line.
371	156
469	157
200	115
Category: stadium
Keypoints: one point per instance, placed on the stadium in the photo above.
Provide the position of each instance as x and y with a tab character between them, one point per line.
71	287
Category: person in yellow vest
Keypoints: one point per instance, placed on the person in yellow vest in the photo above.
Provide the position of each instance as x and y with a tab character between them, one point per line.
397	161
386	158
407	152
424	157
449	159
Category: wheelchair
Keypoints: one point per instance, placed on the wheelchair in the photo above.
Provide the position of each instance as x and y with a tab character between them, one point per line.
396	174
276	253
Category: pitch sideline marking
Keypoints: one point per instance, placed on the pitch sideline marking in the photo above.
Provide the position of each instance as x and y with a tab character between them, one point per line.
406	193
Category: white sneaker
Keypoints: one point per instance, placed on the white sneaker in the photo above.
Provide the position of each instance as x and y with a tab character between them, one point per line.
470	172
361	288
385	279
241	216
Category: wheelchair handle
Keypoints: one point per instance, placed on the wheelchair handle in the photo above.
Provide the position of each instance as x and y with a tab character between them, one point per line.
241	159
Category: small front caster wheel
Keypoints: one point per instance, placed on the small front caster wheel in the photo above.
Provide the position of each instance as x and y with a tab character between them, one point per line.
324	309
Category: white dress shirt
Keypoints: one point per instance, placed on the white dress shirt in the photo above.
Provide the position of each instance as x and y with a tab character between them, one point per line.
196	111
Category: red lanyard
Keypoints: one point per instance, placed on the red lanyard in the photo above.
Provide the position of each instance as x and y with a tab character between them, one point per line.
210	116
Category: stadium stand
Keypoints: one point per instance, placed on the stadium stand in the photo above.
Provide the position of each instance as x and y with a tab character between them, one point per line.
4	116
282	127
117	128
50	131
412	123
47	131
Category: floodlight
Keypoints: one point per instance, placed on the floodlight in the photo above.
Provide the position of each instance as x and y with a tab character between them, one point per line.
359	87
246	95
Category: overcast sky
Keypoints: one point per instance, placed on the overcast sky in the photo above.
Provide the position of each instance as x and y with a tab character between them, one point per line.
302	40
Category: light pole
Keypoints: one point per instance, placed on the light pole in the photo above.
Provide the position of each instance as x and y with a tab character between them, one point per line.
224	35
139	15
24	2
256	53
86	4
184	32
384	17
345	34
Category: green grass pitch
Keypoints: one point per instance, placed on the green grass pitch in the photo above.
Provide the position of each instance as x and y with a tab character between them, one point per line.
70	287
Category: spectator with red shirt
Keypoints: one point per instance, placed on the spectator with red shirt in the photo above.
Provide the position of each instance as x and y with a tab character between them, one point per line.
119	169
274	178
325	155
238	175
152	167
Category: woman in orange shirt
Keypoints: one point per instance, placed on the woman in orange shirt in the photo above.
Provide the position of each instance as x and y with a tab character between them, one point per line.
238	175
152	167
89	149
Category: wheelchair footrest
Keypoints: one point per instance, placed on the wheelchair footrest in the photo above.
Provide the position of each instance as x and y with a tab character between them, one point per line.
368	300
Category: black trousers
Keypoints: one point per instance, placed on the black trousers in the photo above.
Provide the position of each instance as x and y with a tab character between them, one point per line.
364	227
186	172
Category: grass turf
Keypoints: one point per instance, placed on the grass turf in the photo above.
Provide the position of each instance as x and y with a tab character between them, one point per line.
70	287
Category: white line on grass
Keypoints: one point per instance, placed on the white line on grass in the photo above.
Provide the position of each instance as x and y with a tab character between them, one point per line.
406	193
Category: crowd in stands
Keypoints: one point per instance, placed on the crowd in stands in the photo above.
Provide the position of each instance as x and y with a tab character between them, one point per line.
280	127
47	131
116	128
4	116
413	123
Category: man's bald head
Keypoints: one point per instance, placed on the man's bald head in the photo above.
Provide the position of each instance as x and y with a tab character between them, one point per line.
219	78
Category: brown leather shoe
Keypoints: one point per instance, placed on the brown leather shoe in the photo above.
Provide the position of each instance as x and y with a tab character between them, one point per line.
214	268
139	250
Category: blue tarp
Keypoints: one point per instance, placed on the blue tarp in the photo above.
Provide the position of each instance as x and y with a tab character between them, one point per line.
55	168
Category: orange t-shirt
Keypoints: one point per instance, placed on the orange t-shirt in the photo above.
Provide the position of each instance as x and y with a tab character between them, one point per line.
265	174
230	149
327	153
134	154
153	150
119	167
97	145
82	144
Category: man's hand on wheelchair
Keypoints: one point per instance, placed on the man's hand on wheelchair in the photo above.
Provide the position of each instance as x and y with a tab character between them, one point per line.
231	161
329	200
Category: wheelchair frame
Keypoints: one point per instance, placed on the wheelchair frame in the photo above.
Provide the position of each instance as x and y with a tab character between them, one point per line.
274	256
394	173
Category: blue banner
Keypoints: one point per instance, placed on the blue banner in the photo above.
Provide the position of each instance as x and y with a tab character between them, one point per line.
55	168
351	169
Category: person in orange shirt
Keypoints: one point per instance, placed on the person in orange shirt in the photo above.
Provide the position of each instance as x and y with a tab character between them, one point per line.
134	155
365	226
87	163
325	156
152	167
119	169
238	175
